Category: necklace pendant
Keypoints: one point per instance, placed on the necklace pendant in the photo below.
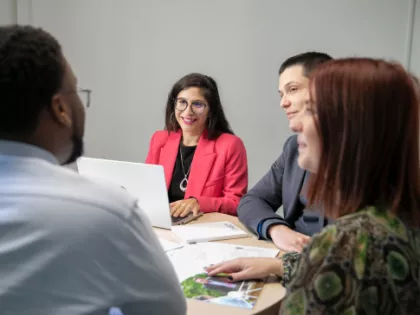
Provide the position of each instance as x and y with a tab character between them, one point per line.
183	184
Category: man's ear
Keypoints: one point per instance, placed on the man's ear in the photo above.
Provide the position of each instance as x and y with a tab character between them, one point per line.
61	111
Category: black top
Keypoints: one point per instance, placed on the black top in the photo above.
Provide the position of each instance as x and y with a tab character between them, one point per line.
175	193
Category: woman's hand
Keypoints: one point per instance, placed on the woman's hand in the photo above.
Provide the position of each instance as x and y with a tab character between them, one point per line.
182	208
248	268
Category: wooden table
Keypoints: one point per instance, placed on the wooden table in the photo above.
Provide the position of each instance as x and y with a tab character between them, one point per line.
272	293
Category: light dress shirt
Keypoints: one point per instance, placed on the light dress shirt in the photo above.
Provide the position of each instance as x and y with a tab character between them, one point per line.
69	246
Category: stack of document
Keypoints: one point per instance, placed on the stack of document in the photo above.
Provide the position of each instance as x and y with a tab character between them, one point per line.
190	261
204	232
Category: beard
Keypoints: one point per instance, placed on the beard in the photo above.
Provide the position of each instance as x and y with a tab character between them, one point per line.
77	150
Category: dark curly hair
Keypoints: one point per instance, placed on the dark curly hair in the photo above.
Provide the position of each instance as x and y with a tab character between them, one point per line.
31	71
217	122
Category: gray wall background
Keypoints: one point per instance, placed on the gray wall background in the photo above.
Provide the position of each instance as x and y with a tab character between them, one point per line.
8	11
415	51
130	52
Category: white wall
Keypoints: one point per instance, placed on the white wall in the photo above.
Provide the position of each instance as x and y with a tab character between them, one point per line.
415	51
130	52
8	12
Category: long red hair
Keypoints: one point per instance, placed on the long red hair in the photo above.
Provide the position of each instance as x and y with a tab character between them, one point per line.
368	122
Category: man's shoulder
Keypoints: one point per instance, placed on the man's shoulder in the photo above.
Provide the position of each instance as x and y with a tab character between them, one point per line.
291	144
62	206
97	193
56	185
288	156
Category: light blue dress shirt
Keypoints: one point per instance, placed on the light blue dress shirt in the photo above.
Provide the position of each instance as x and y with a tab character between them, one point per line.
69	246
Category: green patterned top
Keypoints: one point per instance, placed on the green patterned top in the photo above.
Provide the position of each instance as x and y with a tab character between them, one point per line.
365	263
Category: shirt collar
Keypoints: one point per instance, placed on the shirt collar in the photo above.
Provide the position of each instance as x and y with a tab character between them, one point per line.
21	149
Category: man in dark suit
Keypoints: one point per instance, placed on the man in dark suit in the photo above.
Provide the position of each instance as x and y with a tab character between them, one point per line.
283	183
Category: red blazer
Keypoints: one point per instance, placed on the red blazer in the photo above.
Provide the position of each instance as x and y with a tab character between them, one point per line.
219	170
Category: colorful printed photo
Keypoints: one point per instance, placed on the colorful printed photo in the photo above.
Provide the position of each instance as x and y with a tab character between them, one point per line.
220	290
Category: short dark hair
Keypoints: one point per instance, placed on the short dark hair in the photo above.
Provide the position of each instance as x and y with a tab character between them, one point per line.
31	72
368	123
309	60
217	122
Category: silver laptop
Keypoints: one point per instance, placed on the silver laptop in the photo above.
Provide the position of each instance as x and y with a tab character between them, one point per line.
146	182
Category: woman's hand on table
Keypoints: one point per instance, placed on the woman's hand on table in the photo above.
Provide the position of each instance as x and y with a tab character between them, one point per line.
182	208
247	268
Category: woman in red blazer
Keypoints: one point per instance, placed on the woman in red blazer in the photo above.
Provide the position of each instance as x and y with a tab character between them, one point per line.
205	163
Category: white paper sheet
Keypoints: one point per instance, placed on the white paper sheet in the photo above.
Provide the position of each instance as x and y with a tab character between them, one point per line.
205	232
192	259
168	245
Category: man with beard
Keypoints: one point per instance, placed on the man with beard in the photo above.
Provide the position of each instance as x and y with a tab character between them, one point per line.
67	245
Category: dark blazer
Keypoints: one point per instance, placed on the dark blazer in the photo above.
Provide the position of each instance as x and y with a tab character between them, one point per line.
281	185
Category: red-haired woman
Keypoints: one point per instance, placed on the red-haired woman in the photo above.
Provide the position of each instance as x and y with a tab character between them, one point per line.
359	138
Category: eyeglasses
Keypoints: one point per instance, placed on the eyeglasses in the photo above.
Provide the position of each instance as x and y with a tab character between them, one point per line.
84	95
197	107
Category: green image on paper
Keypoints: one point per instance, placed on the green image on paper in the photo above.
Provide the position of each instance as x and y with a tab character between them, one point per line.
220	290
203	285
